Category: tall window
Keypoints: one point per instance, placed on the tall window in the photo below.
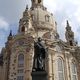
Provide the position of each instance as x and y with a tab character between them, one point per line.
21	60
60	69
73	71
20	70
20	78
47	17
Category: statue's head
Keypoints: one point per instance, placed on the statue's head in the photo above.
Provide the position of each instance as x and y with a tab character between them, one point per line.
39	39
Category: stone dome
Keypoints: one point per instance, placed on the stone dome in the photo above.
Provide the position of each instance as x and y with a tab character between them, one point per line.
42	19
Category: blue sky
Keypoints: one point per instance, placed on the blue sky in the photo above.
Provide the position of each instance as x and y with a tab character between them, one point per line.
11	11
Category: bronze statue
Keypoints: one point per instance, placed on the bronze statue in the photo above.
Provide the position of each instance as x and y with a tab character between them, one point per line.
39	56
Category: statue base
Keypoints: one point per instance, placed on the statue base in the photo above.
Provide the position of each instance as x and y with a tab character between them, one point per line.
39	75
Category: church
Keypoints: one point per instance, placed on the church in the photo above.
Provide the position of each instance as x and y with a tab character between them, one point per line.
37	47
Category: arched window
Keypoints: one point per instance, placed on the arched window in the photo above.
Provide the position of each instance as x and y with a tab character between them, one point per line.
60	69
23	29
73	72
20	67
21	60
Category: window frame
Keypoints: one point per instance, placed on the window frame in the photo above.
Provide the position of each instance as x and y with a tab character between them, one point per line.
73	64
47	18
20	63
62	66
19	77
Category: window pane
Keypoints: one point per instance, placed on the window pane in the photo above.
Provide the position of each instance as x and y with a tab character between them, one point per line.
74	71
74	77
20	78
20	71
60	69
61	76
47	18
60	65
73	68
21	60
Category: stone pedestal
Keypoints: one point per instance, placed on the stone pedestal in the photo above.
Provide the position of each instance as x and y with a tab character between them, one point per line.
39	75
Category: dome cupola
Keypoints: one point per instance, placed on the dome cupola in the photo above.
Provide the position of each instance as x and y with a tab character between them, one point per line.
36	3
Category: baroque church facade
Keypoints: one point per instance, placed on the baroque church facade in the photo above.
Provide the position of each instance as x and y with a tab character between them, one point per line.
62	59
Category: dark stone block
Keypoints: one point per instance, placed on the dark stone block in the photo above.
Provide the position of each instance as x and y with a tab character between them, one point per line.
39	75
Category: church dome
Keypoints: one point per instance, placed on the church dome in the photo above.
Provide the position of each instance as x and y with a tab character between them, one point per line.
37	20
42	19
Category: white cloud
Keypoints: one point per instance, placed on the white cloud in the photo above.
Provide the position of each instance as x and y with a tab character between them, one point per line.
75	2
2	40
54	5
77	15
3	24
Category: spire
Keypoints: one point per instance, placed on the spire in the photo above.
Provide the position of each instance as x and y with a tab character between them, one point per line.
10	35
68	26
67	23
26	7
69	35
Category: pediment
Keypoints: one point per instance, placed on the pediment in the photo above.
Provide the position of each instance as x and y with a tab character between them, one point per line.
58	45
